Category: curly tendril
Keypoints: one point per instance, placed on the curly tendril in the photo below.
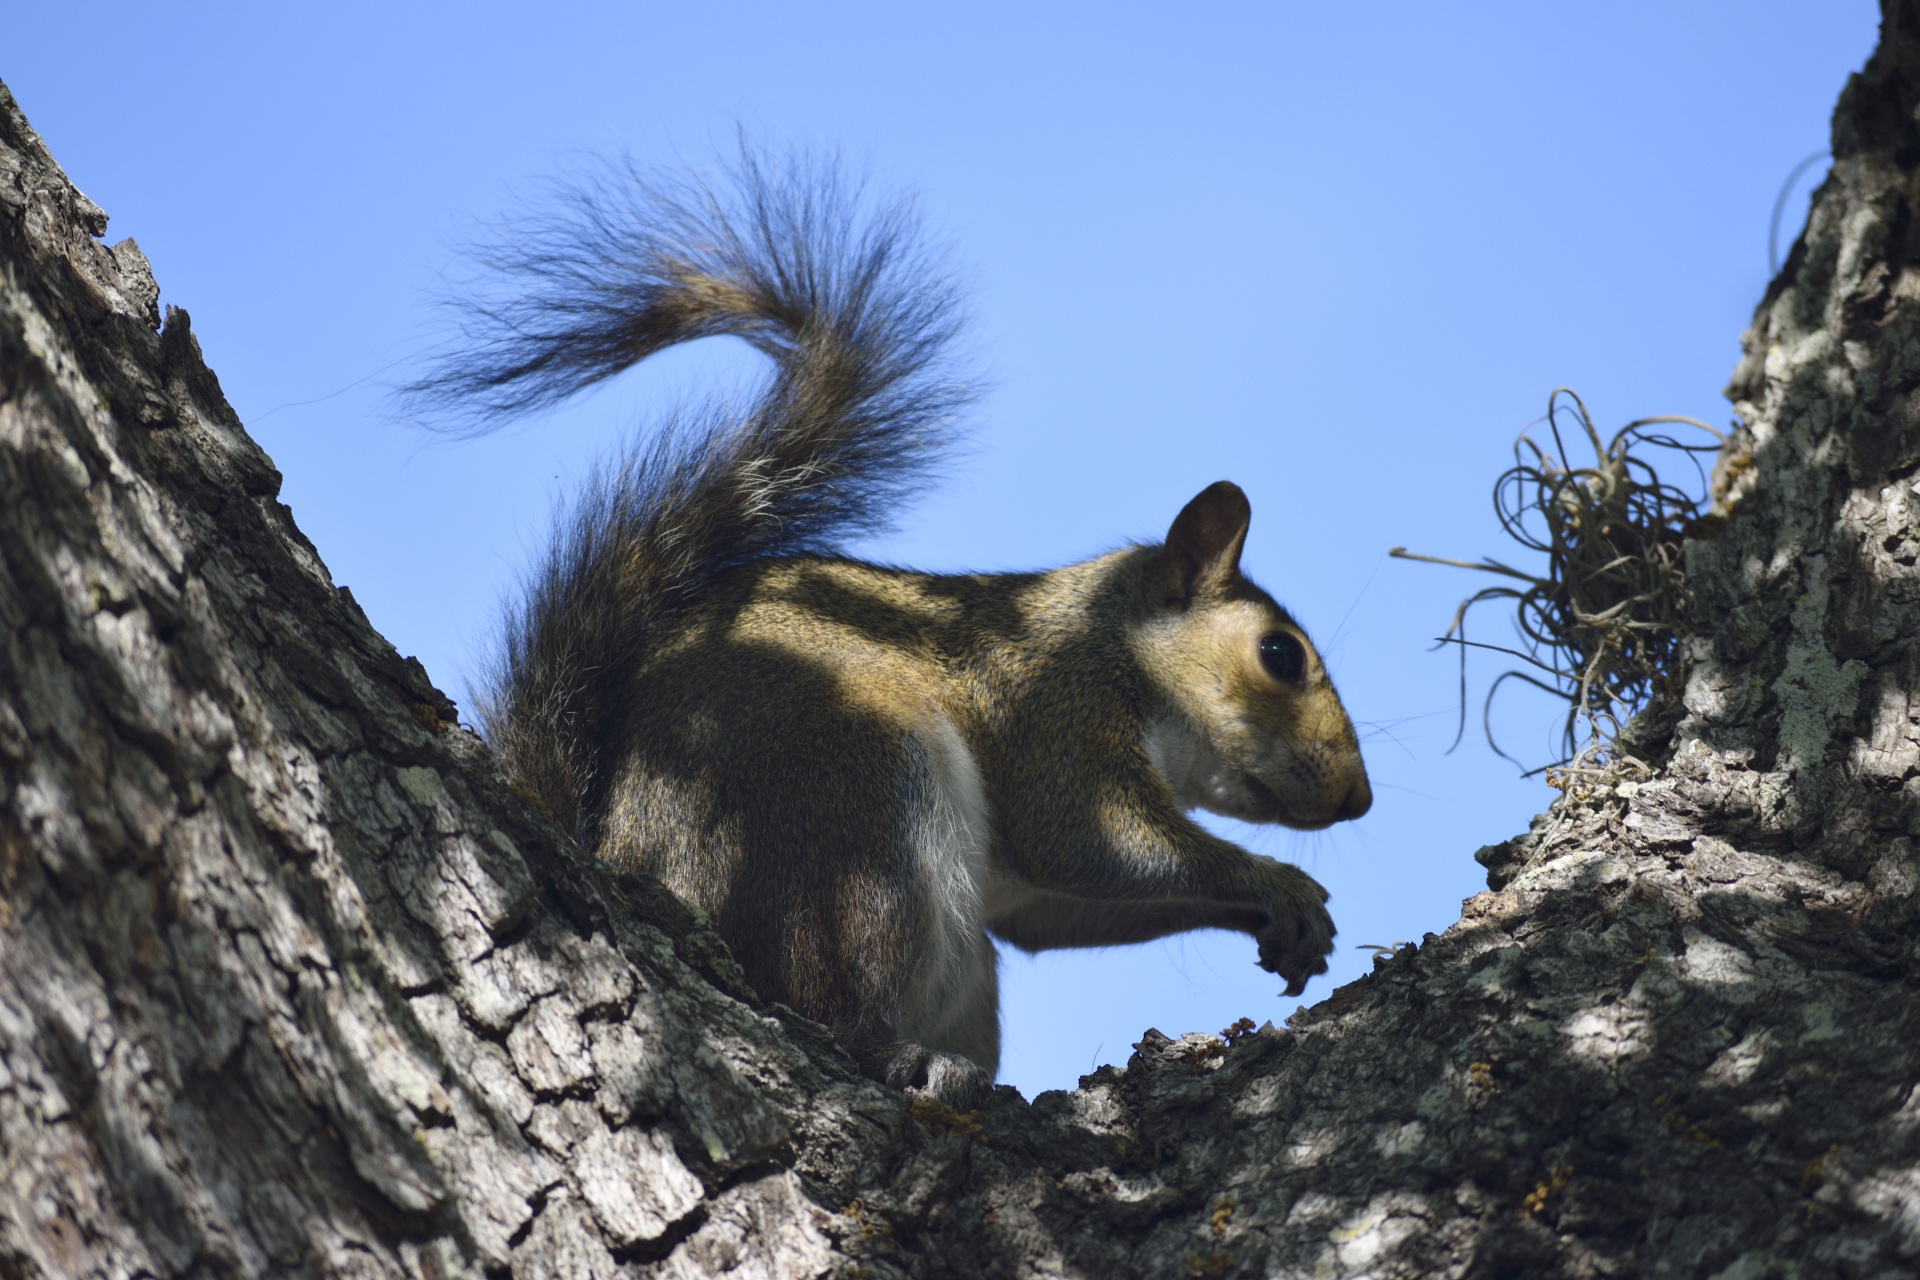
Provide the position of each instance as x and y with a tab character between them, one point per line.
1600	626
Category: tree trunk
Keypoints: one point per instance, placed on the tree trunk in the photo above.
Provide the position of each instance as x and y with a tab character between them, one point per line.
290	985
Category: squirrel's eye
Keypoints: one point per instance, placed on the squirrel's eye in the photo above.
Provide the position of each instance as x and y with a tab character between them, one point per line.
1284	657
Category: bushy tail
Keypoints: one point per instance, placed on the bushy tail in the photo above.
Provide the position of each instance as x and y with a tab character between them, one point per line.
859	326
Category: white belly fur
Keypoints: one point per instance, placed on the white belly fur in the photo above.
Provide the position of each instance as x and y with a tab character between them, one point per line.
951	1000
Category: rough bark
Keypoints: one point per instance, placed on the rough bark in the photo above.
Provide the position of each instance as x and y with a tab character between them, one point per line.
289	985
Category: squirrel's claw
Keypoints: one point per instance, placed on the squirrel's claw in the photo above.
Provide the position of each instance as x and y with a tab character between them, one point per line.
1296	945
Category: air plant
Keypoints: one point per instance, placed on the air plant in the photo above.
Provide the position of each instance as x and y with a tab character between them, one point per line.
1599	627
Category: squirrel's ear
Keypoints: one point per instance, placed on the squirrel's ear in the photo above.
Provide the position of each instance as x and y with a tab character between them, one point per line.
1203	546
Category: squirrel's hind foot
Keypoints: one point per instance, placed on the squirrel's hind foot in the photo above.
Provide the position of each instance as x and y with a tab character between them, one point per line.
959	1082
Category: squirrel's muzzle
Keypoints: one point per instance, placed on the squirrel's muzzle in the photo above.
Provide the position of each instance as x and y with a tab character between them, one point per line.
1359	799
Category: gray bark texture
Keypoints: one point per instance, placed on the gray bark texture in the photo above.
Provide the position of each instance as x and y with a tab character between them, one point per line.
290	985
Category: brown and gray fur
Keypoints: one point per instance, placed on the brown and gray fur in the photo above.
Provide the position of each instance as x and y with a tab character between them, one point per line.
861	772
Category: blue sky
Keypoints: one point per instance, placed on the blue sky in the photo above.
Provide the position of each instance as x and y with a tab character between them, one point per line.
1338	253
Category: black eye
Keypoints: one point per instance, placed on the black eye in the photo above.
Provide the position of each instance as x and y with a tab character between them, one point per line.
1284	657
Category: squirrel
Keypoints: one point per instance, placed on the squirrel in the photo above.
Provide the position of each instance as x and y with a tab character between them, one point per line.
861	774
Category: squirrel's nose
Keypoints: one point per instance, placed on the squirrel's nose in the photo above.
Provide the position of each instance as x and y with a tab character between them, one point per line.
1359	799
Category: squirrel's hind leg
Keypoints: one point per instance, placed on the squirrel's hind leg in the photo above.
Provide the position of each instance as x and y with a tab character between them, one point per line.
954	1057
839	843
949	1021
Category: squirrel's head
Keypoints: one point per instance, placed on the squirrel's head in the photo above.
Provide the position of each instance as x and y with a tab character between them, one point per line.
1249	724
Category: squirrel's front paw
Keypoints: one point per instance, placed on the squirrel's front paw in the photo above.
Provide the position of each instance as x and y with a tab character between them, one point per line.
1296	944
